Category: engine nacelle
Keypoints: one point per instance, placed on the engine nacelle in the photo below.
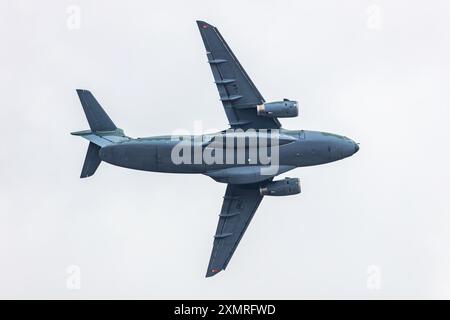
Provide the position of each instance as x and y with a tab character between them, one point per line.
278	109
286	187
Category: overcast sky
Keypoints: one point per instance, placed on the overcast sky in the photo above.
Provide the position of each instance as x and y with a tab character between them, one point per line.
375	225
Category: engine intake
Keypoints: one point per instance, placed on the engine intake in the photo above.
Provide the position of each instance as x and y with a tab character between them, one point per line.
286	187
278	109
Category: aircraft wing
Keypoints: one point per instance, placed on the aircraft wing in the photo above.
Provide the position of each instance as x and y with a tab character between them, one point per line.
237	92
239	205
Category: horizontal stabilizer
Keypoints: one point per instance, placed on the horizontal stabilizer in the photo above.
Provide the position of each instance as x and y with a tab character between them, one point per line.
104	138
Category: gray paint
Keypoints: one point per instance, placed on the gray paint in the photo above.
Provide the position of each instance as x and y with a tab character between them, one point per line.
154	154
387	206
240	98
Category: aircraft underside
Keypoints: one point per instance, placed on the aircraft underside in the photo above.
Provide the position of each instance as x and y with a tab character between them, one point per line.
247	157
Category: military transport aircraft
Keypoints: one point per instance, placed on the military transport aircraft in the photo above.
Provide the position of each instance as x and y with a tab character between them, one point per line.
250	118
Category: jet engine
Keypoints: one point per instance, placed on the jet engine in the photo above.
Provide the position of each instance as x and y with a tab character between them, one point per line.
286	187
278	109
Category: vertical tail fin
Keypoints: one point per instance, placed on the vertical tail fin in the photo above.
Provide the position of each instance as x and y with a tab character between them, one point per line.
91	162
96	116
103	132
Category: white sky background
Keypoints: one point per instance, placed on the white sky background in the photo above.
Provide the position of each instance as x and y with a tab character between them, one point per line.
382	82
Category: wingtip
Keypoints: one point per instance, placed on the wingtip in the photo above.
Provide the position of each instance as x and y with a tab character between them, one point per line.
79	91
212	272
203	25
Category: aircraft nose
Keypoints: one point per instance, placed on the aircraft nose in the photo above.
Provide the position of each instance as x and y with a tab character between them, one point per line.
349	148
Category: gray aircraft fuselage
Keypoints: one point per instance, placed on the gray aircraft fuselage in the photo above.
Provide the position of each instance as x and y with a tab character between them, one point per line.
297	148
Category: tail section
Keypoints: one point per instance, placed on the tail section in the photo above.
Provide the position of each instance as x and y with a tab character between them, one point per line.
96	116
92	161
103	132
